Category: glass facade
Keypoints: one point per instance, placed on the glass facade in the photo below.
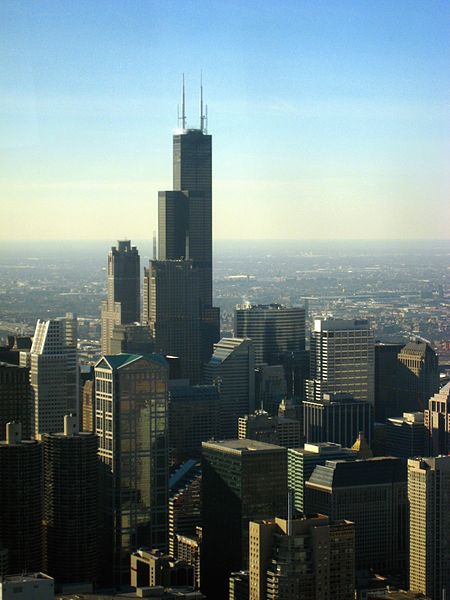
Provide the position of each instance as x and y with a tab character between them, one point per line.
131	422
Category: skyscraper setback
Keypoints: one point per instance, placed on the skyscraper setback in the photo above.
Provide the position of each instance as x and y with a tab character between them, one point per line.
178	286
122	304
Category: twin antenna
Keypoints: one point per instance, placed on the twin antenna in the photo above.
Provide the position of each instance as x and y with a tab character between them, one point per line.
203	113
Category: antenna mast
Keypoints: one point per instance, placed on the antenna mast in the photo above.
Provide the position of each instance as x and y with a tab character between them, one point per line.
202	116
183	108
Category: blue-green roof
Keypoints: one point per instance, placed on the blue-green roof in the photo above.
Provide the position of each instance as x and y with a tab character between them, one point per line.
117	361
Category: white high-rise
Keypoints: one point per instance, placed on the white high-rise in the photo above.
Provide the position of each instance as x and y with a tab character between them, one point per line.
342	359
53	376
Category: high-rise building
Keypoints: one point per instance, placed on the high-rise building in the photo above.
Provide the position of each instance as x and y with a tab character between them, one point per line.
131	339
53	376
178	287
151	568
239	585
386	381
337	418
193	419
342	359
88	406
279	430
372	494
171	309
270	387
273	328
406	376
21	500
405	436
437	424
122	304
429	530
15	398
184	502
70	509
309	558
243	480
131	424
232	370
189	548
418	376
303	461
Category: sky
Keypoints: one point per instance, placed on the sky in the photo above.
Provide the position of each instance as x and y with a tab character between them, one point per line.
330	118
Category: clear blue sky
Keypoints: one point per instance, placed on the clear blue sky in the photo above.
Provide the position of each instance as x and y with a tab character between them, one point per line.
330	119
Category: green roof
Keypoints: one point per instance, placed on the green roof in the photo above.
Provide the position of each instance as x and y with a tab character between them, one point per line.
117	361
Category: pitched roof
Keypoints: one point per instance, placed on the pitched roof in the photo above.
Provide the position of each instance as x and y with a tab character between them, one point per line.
117	361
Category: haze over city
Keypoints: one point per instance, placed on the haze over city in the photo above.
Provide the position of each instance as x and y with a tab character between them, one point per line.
330	120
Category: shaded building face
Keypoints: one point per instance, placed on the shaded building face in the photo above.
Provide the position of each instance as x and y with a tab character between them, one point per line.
122	305
21	504
131	422
242	480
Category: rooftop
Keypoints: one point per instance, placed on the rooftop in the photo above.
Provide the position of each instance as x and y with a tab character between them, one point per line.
242	446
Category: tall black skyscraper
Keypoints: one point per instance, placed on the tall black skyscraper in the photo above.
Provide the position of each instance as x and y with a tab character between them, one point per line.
178	287
122	305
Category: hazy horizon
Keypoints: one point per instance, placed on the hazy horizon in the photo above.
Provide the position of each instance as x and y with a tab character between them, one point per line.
329	120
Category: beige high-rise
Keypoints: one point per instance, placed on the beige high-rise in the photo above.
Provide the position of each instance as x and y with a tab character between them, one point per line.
428	494
309	558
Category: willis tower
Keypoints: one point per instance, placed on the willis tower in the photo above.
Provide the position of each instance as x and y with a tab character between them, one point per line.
178	286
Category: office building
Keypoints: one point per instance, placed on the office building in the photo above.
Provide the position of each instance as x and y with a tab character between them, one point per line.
193	419
27	586
70	509
279	430
406	376
239	586
3	563
131	338
303	461
171	310
150	568
188	548
122	304
309	558
88	406
178	287
429	530
386	381
342	359
21	500
15	344
337	418
184	502
437	424
372	494
273	328
270	387
418	376
406	435
231	369
131	424
53	376
15	398
243	480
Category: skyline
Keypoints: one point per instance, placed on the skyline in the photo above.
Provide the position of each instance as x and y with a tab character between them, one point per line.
327	121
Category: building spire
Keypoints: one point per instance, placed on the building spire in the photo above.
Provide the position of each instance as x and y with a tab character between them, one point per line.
202	115
183	107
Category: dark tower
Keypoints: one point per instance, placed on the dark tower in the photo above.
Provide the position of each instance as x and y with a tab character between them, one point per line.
20	500
185	234
71	504
122	305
